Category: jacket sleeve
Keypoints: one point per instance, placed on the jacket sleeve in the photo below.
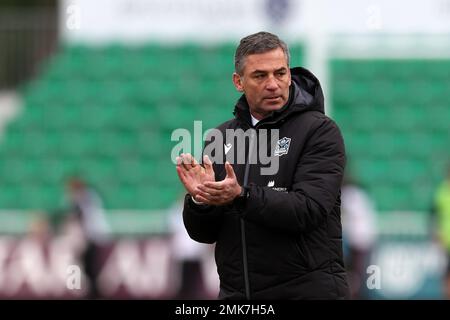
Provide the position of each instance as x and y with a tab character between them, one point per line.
202	222
315	188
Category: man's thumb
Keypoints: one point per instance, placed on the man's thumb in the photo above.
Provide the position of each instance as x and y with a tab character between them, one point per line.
229	170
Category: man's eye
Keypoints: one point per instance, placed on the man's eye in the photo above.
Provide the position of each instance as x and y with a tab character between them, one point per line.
280	74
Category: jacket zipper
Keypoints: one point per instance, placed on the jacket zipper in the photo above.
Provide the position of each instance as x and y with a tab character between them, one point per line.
243	239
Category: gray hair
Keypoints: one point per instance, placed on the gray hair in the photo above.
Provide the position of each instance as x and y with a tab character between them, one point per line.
260	42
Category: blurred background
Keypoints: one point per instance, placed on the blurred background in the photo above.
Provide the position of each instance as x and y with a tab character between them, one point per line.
91	91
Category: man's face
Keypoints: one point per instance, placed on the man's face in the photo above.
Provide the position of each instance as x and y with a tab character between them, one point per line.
265	81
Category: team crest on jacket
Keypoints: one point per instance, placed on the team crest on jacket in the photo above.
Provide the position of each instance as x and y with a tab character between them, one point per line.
282	146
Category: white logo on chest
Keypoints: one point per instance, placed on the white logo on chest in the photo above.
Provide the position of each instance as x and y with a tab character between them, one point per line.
282	146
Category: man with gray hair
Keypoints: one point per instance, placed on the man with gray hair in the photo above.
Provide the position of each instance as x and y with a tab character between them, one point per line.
277	236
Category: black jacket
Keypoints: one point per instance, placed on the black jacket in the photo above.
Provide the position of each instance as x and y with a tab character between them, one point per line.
284	240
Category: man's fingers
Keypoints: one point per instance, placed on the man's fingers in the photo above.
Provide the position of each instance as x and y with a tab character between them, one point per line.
207	161
183	161
229	170
211	191
201	199
193	161
182	175
206	195
208	165
188	161
208	199
214	185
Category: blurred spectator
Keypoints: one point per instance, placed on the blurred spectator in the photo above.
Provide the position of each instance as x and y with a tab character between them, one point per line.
190	257
441	209
85	207
40	228
359	232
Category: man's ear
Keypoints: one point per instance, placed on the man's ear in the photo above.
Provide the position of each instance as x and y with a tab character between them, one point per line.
237	81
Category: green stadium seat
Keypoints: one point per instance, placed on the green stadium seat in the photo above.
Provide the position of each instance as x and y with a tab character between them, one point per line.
130	170
132	116
76	143
367	118
13	170
99	117
166	173
398	133
153	143
406	171
439	117
60	116
50	171
356	142
214	64
146	200
174	116
438	70
9	196
422	195
390	197
37	142
112	195
116	143
369	170
11	142
297	55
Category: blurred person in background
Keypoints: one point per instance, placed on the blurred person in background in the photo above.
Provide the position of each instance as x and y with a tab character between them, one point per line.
86	208
277	236
40	227
441	212
189	256
359	233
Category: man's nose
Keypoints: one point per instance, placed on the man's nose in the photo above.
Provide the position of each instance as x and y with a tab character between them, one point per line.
271	83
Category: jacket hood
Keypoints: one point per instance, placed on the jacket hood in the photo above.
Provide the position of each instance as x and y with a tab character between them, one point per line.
305	94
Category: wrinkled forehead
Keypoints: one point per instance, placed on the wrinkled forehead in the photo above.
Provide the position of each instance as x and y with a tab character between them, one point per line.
270	61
